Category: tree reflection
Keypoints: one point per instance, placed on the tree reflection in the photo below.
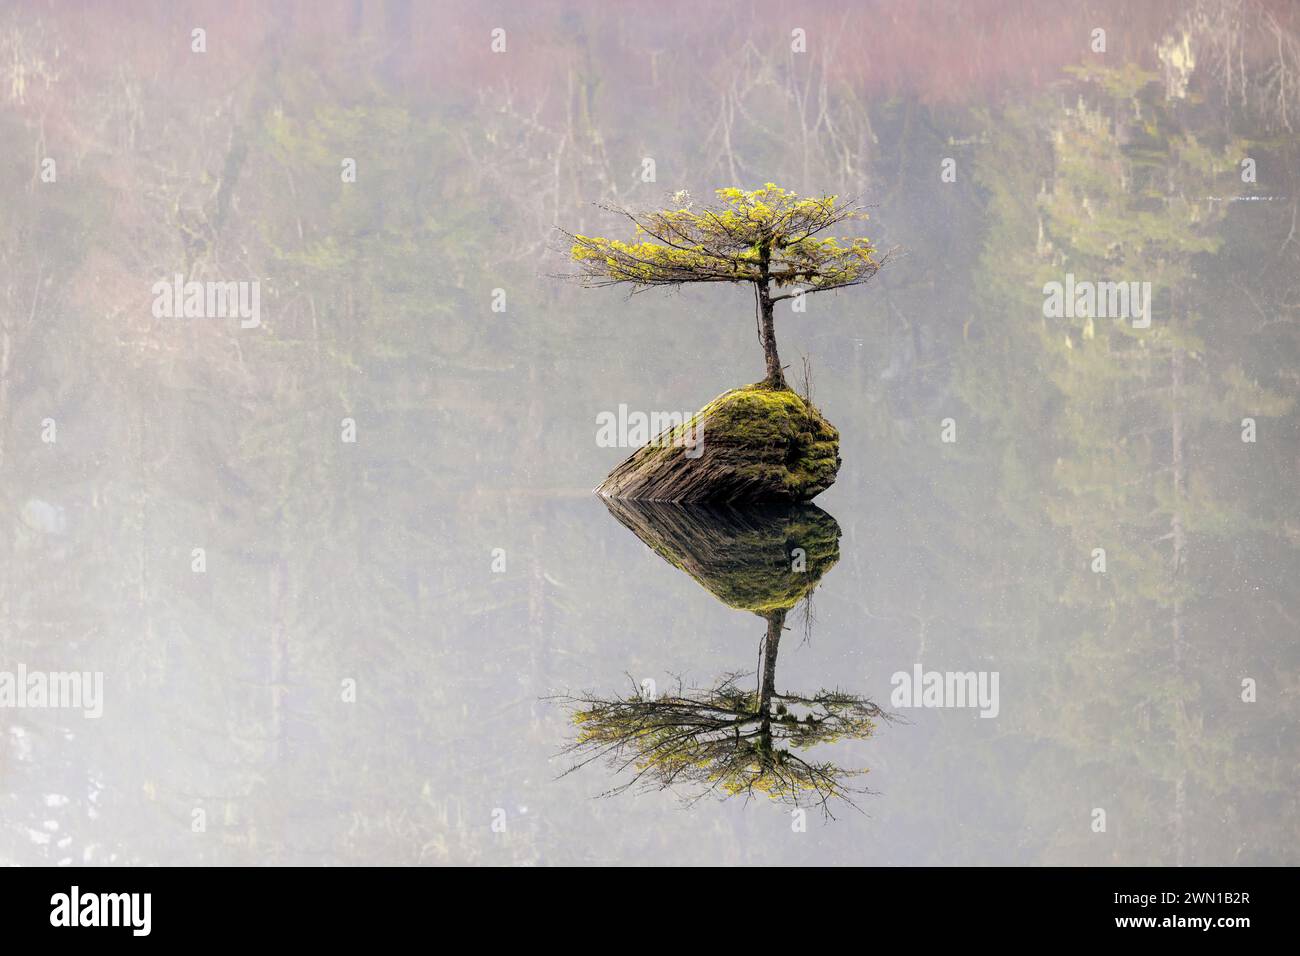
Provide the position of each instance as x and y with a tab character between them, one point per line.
726	739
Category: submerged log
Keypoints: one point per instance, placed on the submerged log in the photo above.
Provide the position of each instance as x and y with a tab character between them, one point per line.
750	444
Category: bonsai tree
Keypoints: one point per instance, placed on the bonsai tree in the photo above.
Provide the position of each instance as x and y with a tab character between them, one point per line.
769	238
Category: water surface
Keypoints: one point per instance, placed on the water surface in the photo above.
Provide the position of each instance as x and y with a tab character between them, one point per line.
371	665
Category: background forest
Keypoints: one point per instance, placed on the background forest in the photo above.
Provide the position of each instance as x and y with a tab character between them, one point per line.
372	561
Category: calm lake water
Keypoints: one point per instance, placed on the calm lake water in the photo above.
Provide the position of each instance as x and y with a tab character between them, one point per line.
338	566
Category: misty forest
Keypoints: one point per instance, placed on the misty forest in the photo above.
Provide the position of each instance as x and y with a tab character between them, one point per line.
343	572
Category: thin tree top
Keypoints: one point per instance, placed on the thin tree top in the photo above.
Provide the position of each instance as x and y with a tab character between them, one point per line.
766	236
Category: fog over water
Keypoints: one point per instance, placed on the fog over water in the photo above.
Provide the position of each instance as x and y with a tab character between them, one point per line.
331	547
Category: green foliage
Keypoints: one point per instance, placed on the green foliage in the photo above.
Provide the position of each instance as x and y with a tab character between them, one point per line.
764	235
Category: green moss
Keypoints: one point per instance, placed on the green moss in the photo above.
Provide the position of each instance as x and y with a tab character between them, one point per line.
754	444
761	578
745	558
757	416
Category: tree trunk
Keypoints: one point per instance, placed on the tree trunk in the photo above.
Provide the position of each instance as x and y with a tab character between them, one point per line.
767	682
775	376
767	688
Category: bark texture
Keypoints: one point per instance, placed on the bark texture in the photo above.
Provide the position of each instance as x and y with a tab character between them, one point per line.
753	444
761	559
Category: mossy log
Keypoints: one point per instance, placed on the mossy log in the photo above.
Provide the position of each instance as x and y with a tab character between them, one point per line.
751	444
762	559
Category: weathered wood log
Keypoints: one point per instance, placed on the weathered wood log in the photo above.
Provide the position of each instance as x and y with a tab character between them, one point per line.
752	444
763	558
